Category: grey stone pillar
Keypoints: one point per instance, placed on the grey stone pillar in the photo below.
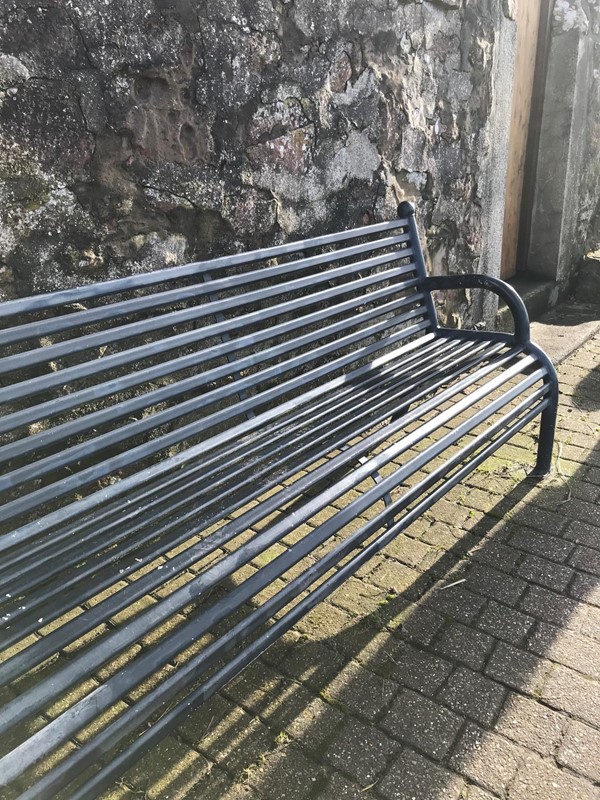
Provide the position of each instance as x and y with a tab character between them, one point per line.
555	246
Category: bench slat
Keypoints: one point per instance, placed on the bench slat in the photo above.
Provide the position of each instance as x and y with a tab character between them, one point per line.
117	686
154	397
164	321
43	568
513	365
140	281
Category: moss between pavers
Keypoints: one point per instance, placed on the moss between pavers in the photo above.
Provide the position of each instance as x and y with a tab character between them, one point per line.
102	721
75	693
19	646
227	734
286	767
170	770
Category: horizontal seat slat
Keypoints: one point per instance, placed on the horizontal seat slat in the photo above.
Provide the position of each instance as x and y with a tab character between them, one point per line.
209	288
124	725
227	347
118	600
34	700
68	296
83	711
87	422
137	354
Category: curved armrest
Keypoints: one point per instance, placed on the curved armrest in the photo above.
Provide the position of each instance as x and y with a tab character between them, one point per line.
499	287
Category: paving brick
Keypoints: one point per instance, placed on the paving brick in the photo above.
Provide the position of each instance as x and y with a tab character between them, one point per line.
540	779
299	714
360	751
584	512
517	669
414	776
531	516
505	623
531	724
580	750
583	533
285	767
568	648
421	625
456	602
254	687
324	621
590	622
408	665
476	793
497	555
465	644
169	770
438	535
422	723
583	491
409	551
495	584
541	543
586	559
238	791
486	758
546	573
358	597
361	691
227	735
473	695
352	641
548	605
479	500
448	512
340	788
313	663
573	693
585	587
392	576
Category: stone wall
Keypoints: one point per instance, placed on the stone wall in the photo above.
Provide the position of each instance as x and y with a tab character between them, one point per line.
137	133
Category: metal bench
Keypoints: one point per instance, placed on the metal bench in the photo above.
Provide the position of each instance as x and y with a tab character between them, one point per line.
193	458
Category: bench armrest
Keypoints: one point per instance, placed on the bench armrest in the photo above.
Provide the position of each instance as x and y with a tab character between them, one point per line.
499	287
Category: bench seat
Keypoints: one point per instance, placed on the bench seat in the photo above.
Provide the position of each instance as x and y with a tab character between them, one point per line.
194	458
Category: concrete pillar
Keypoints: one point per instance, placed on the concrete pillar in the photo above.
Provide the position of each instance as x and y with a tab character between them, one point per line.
554	246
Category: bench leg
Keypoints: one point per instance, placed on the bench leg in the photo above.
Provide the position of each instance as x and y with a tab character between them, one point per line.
543	464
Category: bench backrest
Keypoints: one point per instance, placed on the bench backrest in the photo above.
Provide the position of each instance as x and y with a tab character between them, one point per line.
106	379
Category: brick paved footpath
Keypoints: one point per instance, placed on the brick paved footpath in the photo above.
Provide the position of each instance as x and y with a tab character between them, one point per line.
402	688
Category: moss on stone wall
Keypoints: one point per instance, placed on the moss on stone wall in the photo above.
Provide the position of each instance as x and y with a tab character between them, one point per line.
134	132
